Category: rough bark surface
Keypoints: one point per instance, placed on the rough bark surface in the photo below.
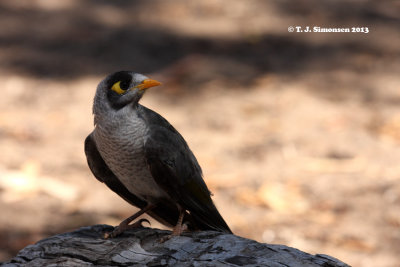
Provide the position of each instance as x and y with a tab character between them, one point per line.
141	247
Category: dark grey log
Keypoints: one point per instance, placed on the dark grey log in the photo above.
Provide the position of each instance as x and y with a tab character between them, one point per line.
141	247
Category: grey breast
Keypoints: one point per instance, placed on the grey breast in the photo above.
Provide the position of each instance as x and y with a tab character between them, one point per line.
120	140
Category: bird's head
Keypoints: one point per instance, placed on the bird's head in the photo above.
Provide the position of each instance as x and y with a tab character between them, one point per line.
122	88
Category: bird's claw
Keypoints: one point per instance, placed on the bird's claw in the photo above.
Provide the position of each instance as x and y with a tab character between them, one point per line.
138	224
123	227
165	238
108	234
176	232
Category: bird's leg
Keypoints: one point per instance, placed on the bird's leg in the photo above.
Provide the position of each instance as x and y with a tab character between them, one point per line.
124	225
179	227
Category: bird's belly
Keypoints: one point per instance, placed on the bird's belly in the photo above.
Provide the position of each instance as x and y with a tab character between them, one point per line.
125	157
137	178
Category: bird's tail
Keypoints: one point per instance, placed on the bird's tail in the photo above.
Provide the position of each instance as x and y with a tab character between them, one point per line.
207	217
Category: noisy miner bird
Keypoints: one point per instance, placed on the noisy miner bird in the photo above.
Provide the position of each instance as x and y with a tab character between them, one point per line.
142	158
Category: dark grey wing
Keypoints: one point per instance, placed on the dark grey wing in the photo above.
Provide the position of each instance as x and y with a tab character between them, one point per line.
164	213
175	169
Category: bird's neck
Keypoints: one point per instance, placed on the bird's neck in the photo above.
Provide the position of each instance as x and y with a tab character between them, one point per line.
109	115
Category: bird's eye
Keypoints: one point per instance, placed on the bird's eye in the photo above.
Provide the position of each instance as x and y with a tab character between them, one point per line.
120	87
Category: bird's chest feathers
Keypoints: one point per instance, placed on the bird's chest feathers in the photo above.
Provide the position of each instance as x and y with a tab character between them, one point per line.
120	141
121	135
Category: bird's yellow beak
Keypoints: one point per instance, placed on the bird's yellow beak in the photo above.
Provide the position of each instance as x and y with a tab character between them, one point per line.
147	84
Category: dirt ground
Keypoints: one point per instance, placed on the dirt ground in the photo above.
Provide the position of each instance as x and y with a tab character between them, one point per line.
298	134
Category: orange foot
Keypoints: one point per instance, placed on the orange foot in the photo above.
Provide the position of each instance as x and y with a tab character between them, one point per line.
179	228
123	227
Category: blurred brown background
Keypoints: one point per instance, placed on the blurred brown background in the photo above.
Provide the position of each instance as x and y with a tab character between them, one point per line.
298	134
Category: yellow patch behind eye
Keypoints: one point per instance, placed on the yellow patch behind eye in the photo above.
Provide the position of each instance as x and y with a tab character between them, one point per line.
117	88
